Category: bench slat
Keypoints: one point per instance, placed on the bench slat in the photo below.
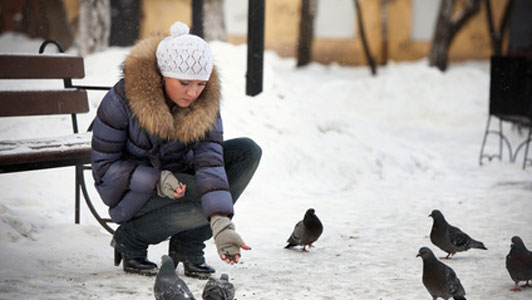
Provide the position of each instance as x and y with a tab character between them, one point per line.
30	103
41	67
43	153
44	160
33	154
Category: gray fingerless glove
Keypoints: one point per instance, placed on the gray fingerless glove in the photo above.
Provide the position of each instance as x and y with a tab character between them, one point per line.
226	239
167	184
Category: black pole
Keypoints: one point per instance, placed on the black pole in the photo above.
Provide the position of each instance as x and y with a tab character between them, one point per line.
254	72
197	17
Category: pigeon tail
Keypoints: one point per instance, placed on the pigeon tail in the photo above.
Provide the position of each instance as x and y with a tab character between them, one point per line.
459	298
290	245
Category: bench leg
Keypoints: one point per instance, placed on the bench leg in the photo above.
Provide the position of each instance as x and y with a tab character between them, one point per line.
503	140
88	201
528	140
484	141
78	194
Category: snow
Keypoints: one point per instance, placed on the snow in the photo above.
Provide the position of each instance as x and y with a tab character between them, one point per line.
372	155
64	143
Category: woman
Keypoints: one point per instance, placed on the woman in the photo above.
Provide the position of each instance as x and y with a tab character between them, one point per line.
159	160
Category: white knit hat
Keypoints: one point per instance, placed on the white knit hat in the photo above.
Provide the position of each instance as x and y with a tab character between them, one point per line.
184	56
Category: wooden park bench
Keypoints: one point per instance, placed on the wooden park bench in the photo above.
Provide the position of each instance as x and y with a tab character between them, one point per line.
42	153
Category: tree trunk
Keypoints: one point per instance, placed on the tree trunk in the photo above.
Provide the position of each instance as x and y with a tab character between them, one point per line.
94	25
10	12
384	31
214	24
497	36
367	51
442	36
306	32
447	28
48	20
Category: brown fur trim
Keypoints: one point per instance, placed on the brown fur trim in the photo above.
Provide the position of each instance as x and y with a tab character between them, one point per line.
146	96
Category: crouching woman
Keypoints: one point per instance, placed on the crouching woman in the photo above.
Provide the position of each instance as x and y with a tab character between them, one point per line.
159	160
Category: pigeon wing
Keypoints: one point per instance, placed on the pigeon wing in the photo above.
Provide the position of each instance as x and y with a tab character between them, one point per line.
219	289
168	286
295	237
453	285
183	286
458	238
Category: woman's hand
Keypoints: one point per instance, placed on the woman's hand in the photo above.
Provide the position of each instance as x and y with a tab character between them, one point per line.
169	186
233	259
228	242
180	190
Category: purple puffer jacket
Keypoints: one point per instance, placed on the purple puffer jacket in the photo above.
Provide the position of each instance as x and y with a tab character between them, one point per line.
135	136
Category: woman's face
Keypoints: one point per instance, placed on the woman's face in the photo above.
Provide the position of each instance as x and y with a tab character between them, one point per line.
183	92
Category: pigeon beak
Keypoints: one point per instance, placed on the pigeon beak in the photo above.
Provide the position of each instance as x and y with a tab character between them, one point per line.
418	255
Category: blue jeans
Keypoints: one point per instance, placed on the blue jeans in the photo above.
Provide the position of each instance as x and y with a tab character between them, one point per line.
182	219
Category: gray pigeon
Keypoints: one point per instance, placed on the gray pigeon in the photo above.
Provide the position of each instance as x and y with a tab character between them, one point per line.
306	231
438	278
168	286
219	289
449	238
519	263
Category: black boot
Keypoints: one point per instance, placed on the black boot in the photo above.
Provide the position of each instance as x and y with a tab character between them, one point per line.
198	270
136	265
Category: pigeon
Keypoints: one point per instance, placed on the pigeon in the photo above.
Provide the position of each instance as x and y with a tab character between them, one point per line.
168	286
306	231
438	278
219	289
519	263
449	238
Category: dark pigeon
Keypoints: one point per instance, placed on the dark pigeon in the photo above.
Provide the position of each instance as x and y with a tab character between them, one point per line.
219	289
306	231
168	286
439	279
449	238
519	263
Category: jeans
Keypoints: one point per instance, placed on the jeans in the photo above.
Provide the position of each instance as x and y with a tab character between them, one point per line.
182	219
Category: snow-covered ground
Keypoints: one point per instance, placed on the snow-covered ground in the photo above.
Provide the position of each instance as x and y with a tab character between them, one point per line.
372	155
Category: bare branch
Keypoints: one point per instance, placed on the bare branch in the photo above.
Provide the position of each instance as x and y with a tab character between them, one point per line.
472	8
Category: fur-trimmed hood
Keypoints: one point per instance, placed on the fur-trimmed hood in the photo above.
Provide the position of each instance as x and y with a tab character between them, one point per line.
146	96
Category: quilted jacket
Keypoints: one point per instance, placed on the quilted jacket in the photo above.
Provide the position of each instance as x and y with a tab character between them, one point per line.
136	135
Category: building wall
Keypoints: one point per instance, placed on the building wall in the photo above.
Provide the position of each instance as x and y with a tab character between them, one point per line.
159	15
337	40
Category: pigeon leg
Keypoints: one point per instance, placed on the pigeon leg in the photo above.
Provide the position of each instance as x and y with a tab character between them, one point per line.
526	285
307	245
449	255
515	288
